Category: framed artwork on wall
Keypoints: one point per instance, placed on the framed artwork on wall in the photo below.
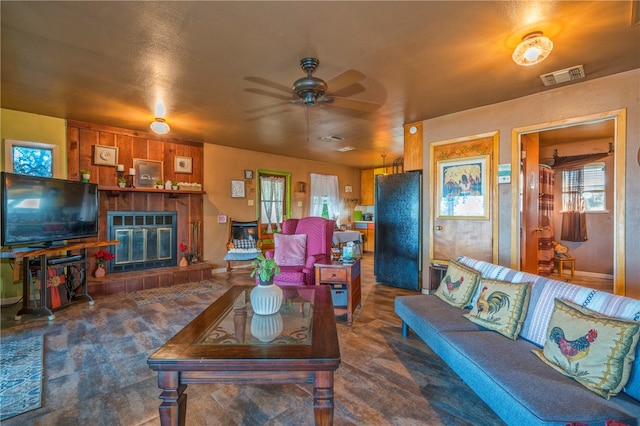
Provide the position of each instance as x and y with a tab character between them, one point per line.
147	172
237	189
183	165
248	174
462	188
105	155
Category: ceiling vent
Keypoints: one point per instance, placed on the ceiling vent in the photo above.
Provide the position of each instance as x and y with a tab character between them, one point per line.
332	138
562	76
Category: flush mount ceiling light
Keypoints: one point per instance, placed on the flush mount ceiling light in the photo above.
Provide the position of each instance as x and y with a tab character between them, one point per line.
159	125
533	48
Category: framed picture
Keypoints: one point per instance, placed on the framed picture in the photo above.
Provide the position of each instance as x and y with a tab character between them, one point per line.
462	191
248	174
105	155
237	189
147	172
183	165
348	188
222	218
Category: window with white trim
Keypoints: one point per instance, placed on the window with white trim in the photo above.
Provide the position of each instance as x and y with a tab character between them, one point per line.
30	158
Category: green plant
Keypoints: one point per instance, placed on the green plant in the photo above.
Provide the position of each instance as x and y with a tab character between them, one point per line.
159	182
265	268
174	183
85	171
122	179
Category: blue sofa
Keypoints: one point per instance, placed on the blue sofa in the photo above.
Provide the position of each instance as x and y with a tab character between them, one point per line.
504	373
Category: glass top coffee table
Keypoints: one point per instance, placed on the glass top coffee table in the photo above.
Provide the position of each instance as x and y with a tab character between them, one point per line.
228	343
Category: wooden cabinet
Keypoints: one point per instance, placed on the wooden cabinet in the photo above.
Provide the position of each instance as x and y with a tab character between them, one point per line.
344	279
368	184
367	229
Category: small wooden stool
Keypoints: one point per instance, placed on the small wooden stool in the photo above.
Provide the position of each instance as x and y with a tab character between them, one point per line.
562	260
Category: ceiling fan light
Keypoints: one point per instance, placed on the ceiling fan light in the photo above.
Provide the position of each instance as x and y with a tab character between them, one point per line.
160	126
533	49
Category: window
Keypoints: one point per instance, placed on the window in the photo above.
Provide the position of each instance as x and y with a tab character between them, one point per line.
274	198
30	158
589	181
325	201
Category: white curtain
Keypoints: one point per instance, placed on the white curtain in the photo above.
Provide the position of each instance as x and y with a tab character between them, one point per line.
272	198
325	196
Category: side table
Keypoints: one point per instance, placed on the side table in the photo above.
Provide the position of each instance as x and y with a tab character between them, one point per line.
342	276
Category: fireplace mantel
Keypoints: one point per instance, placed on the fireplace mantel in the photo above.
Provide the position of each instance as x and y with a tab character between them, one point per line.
114	191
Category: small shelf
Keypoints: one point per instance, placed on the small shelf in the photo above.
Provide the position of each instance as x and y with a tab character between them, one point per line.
114	191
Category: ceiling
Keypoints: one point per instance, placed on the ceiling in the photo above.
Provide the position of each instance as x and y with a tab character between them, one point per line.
108	62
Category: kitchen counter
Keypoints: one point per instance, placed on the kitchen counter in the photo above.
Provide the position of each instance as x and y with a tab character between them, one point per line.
367	229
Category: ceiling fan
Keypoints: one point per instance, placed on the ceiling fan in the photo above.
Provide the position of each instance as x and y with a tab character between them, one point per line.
311	91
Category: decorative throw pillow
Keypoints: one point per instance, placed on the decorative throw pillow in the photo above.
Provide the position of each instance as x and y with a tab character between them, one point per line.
244	244
595	350
501	306
458	285
290	250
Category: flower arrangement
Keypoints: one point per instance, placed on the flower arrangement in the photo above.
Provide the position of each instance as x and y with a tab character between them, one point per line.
183	249
103	256
265	269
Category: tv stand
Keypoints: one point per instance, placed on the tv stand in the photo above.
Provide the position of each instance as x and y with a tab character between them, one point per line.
71	261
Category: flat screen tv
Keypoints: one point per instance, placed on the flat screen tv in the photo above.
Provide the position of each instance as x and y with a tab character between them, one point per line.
39	211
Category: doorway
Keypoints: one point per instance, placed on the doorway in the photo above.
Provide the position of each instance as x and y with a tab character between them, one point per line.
525	194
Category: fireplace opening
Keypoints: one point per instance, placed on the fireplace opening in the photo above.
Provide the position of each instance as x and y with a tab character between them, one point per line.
147	240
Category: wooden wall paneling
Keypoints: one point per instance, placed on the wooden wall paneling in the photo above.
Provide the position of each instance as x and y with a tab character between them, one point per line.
73	153
87	139
106	174
125	150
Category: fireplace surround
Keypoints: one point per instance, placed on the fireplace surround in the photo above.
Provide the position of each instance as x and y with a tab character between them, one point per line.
147	239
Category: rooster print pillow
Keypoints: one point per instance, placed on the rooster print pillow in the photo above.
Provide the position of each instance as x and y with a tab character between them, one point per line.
595	350
501	306
458	285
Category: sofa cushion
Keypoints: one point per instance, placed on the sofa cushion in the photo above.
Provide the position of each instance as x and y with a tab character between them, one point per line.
522	391
595	350
290	250
458	285
501	307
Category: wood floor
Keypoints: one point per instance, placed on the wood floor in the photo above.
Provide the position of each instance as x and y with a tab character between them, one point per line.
96	373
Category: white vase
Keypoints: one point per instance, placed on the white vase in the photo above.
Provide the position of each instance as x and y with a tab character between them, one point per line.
266	327
266	299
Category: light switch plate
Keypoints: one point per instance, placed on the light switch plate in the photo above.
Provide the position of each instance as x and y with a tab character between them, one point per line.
250	202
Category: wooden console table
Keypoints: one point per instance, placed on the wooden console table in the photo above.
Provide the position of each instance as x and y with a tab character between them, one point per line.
36	262
342	276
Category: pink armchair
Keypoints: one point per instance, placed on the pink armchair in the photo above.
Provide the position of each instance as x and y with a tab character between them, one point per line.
319	239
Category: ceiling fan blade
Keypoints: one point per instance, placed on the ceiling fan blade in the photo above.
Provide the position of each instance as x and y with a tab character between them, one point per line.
364	106
344	79
268	83
272	95
266	107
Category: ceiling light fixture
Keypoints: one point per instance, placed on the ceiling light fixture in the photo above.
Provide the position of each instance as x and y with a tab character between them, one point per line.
159	125
533	48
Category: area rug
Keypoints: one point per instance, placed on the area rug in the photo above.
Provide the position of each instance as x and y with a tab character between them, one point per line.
164	294
21	364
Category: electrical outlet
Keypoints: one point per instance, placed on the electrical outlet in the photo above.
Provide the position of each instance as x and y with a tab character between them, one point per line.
250	202
299	203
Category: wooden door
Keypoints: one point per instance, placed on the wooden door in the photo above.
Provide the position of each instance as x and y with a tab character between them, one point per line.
473	237
530	229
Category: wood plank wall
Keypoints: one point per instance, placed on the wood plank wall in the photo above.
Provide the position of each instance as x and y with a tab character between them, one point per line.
81	141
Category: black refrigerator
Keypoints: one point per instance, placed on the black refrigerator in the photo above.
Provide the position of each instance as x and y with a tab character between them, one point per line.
398	230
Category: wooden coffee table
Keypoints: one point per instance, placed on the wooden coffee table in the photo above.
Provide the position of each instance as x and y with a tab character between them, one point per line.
228	343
